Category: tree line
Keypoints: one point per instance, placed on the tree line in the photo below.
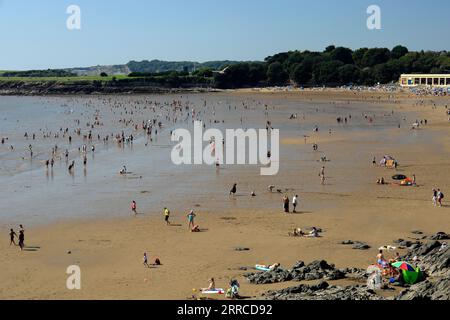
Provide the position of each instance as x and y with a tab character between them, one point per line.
335	66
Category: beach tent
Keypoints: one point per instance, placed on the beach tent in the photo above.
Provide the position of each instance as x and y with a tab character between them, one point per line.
410	274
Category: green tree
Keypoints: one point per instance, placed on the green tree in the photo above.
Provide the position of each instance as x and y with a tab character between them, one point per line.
375	56
326	73
276	75
358	56
348	73
398	52
342	54
301	74
329	49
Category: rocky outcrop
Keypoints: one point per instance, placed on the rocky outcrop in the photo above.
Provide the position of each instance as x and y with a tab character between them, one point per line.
323	291
438	289
31	88
314	271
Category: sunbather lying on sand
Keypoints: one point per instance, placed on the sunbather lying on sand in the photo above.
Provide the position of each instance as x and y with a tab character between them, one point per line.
314	233
297	233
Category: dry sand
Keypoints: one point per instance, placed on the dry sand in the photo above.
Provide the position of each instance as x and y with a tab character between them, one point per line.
350	207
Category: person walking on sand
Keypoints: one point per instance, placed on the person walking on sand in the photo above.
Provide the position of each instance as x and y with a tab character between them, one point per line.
434	197
21	240
145	260
134	207
167	216
295	203
191	216
440	196
286	204
12	235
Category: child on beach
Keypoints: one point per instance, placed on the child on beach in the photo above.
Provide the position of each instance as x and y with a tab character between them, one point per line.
134	207
434	198
145	260
167	215
12	235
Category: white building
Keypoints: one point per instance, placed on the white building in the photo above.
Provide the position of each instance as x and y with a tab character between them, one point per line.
429	80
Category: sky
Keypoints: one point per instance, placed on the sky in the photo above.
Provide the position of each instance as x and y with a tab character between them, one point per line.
34	34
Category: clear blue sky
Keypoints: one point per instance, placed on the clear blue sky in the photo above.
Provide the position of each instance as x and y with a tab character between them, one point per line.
34	34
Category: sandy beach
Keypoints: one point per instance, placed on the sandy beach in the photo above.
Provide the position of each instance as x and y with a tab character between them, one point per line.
85	219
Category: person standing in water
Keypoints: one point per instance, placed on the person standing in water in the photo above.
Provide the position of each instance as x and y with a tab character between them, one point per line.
134	207
233	189
286	204
322	175
295	203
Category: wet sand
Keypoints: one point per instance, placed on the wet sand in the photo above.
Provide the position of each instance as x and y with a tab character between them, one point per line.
95	224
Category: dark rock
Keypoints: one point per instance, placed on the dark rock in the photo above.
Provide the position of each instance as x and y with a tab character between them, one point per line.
357	245
298	265
416	232
241	249
440	236
427	290
361	246
323	291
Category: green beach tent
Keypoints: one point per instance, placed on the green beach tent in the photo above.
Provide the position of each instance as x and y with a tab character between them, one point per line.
410	274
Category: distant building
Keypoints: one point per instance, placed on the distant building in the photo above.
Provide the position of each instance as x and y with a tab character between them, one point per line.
425	80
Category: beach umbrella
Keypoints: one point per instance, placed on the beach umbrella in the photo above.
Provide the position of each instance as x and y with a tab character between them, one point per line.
402	265
410	274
